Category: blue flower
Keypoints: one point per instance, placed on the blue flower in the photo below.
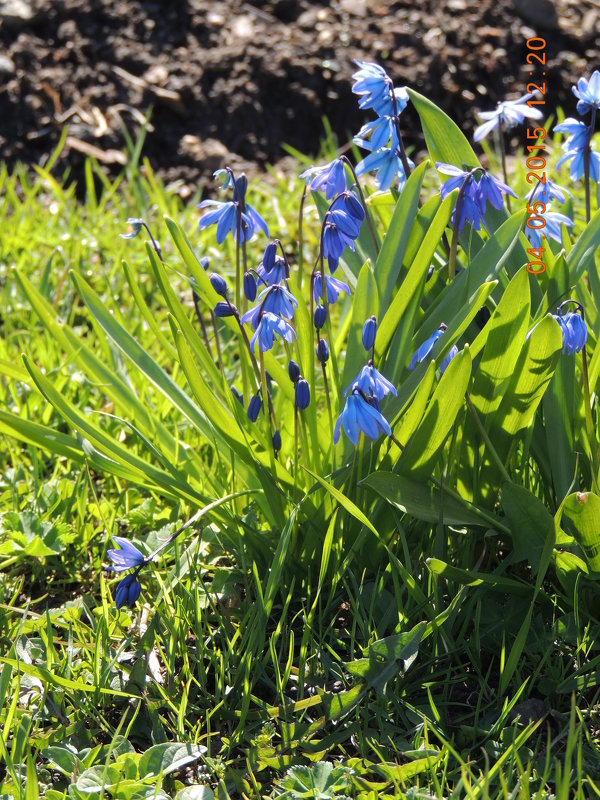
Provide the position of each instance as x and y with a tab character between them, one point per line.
225	215
136	224
268	326
372	383
381	131
369	332
339	231
588	93
425	349
275	274
552	229
456	179
349	203
545	192
577	168
331	178
254	407
574	331
491	190
510	112
302	394
374	88
360	416
334	287
128	591
275	299
322	351
449	356
388	166
577	133
127	557
470	206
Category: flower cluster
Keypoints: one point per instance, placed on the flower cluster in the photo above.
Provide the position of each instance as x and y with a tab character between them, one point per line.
381	136
126	557
577	146
473	193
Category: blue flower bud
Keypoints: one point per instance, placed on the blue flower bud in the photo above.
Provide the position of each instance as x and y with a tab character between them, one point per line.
254	407
268	260
276	441
293	371
320	317
323	351
136	224
237	394
218	284
128	591
224	310
302	394
205	263
250	286
369	332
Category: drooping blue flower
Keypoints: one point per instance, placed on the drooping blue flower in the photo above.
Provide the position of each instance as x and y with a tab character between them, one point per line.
275	274
372	383
491	190
588	93
545	192
369	332
425	349
455	181
333	285
387	165
509	112
577	168
136	225
470	204
374	88
322	351
552	229
302	394
577	133
275	299
382	132
225	215
268	326
360	416
339	231
574	331
349	203
448	358
127	557
254	407
331	178
128	591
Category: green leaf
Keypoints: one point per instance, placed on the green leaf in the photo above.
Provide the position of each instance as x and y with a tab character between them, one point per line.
529	520
366	303
469	577
195	791
162	759
424	502
583	510
582	255
444	139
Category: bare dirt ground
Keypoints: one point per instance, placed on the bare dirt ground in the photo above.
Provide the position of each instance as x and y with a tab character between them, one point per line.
230	81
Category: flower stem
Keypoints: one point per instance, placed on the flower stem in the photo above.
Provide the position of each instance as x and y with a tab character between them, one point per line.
301	238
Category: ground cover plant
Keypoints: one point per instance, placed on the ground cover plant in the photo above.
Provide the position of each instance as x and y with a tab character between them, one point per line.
304	503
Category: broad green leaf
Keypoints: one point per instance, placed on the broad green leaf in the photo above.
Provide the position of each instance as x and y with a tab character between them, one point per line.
582	255
530	523
583	510
561	407
424	502
423	448
493	582
444	139
162	759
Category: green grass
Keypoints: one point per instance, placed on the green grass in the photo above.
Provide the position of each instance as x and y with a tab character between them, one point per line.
224	679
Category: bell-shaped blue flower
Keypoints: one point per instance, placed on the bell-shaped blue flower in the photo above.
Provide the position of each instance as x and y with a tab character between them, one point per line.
275	299
276	442
382	132
425	349
268	326
577	168
552	229
545	192
588	93
339	231
127	557
333	285
577	133
128	591
374	88
491	190
225	215
574	331
136	225
372	383
331	178
360	416
387	165
275	274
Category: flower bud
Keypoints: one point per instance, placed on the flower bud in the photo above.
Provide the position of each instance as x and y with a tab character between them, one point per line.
276	442
224	310
302	394
268	260
369	332
254	407
574	332
237	394
218	284
293	371
250	286
323	351
320	317
136	224
128	591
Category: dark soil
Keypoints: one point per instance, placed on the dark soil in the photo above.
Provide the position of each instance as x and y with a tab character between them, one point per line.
231	81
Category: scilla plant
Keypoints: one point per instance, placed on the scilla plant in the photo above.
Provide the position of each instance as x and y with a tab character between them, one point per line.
396	372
